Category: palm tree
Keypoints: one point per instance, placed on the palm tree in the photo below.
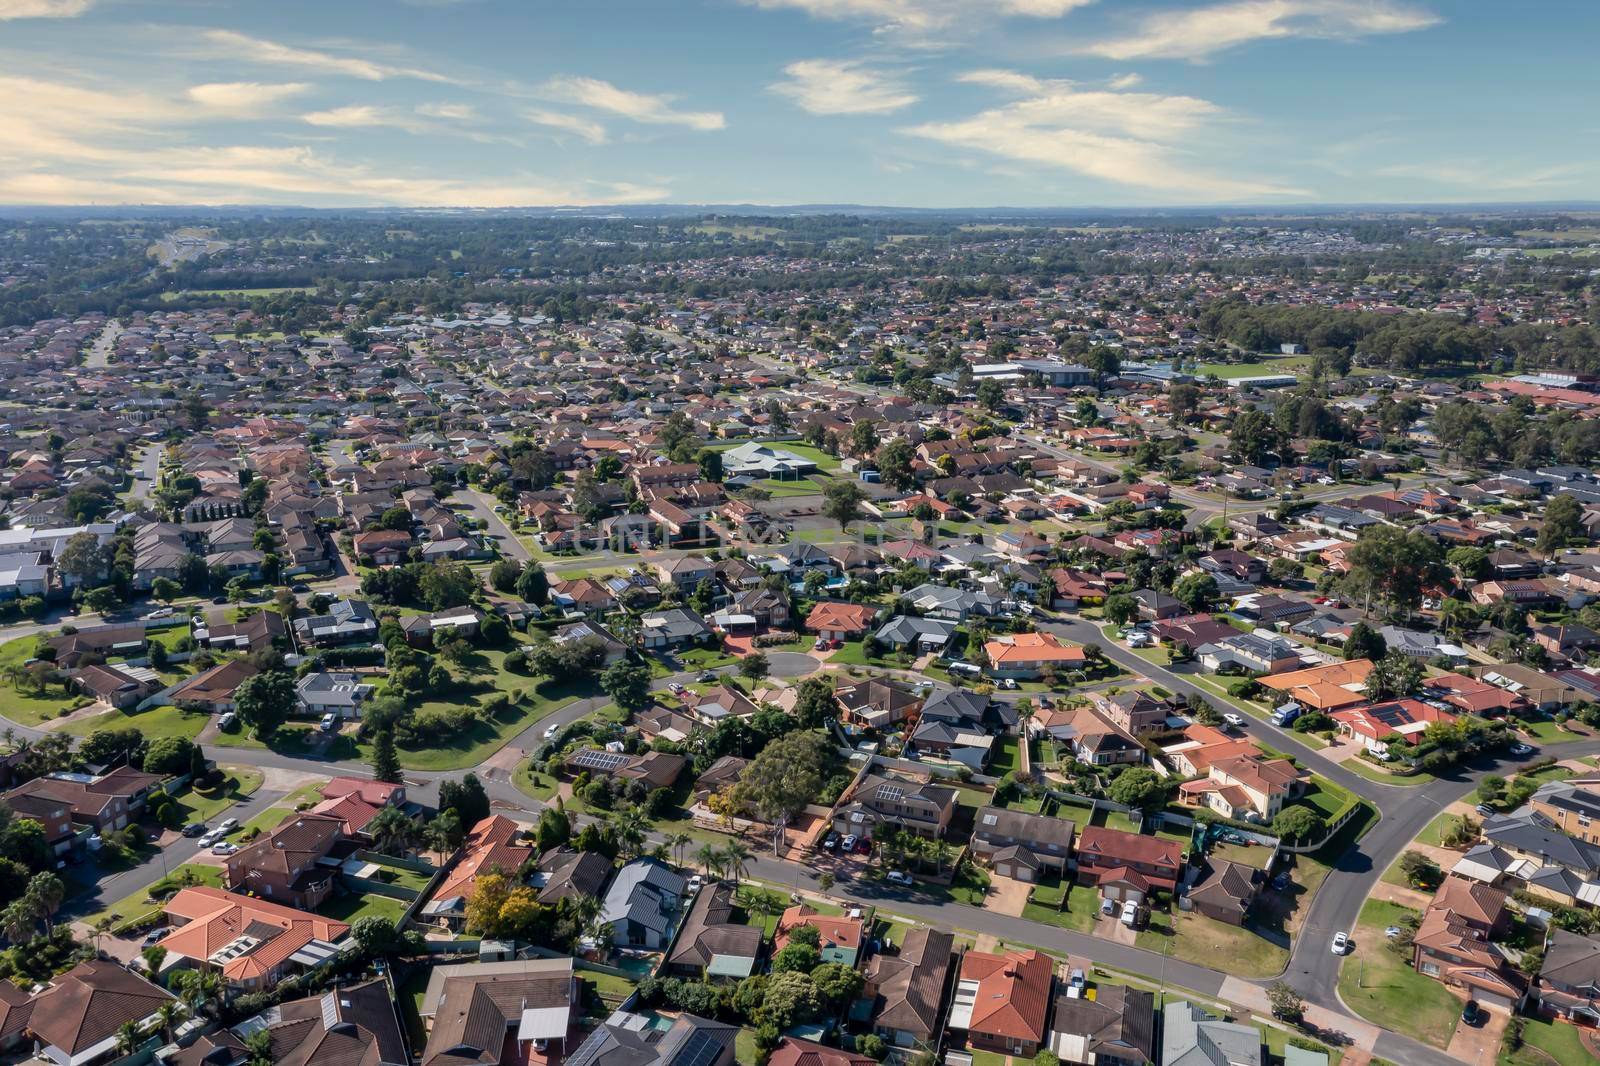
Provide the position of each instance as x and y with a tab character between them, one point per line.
392	831
168	1015
18	921
941	854
679	842
630	827
709	858
45	893
662	852
736	859
102	925
128	1037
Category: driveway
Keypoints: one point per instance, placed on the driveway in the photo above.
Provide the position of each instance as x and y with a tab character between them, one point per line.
1479	1045
1008	895
790	664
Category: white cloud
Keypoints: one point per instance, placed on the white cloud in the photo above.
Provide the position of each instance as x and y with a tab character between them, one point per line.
841	87
576	125
43	9
1195	34
238	98
242	48
1123	138
65	143
640	107
356	116
922	16
449	112
1124	81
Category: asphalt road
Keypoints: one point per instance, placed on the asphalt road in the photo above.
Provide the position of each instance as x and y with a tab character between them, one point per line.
481	507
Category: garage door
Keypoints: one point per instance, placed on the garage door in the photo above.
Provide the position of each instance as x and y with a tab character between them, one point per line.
1489	999
1003	869
1024	874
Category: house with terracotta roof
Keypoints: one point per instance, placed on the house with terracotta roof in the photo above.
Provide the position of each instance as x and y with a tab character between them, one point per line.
793	1052
1454	942
1327	688
1250	787
499	1013
1107	856
839	937
1375	724
352	1024
1026	656
840	621
252	943
1001	1002
493	844
213	690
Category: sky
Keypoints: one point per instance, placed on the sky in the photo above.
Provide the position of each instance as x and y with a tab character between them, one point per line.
914	103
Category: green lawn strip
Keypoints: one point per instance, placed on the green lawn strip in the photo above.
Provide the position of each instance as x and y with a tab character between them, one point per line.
611	988
1004	757
1382	987
1548	732
137	904
1276	1040
744	1046
1083	906
155	723
1195	938
534	785
350	907
1547	1044
195	805
1362	768
409	996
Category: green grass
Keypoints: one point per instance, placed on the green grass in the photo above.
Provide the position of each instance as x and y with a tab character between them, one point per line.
1083	904
744	1046
154	723
1548	733
535	785
1291	364
352	906
1195	938
1382	987
409	995
611	988
1277	1039
200	806
138	904
1004	757
1547	1044
1433	833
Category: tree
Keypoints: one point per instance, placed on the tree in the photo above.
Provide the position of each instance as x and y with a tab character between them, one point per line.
393	831
710	462
1046	1057
791	998
165	589
1197	591
1104	362
1138	787
627	683
991	394
84	558
265	701
1300	823
814	703
1393	677
796	957
503	575
783	777
445	833
467	798
1364	642
375	935
895	464
169	755
385	759
1286	1002
1563	521
1393	566
841	501
1254	436
837	983
534	586
555	828
754	666
1121	609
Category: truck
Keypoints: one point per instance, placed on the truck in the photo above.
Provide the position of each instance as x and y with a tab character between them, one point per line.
1284	716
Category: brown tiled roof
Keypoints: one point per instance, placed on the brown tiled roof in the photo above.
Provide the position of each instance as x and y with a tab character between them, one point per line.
910	985
90	1002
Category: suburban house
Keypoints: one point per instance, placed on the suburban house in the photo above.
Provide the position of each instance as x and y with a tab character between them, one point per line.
1022	845
98	803
76	1019
840	938
1026	656
710	944
116	686
287	865
877	703
1093	740
1192	1037
1454	942
1115	1028
212	690
492	845
906	990
672	628
339	693
498	1013
354	1023
916	806
1568	985
840	621
1571	806
641	905
1376	724
633	1040
1251	788
1111	858
1226	891
1134	712
252	943
347	622
1001	1001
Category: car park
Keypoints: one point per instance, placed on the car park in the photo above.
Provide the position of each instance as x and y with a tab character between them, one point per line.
1341	942
898	877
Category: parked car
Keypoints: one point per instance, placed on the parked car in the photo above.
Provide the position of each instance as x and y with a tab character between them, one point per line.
1108	907
849	842
898	877
224	848
675	688
830	842
330	723
194	829
210	838
1485	810
1130	913
153	936
300	586
1521	749
864	846
1008	682
227	825
160	612
1471	1013
707	677
1235	720
695	883
1341	943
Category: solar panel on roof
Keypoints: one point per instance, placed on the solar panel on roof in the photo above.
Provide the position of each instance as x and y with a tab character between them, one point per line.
698	1050
600	760
891	792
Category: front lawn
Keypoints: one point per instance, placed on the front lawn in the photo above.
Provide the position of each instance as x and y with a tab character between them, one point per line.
197	805
1383	988
154	723
1195	938
1083	905
1547	1044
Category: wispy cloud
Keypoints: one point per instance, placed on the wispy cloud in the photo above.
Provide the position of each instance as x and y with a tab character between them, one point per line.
577	125
1195	34
43	9
356	116
1128	139
236	98
842	87
923	16
648	108
449	112
246	49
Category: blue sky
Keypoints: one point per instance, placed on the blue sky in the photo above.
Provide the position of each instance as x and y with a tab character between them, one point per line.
923	103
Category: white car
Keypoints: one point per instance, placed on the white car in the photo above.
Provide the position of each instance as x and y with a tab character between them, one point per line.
224	848
550	734
1130	913
1341	943
330	723
210	838
898	877
1235	720
227	825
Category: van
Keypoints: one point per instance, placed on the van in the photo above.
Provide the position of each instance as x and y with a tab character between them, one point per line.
1285	716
